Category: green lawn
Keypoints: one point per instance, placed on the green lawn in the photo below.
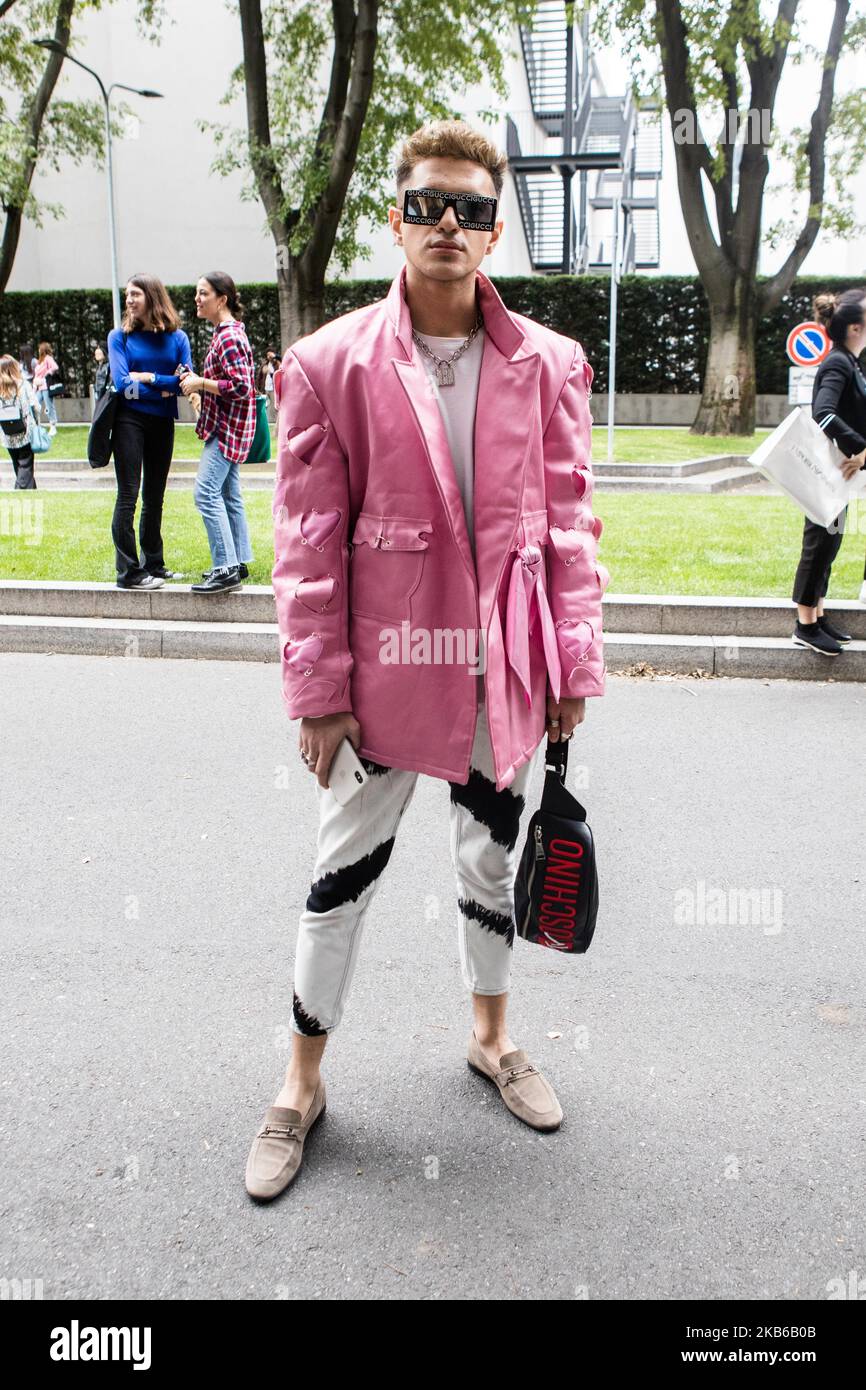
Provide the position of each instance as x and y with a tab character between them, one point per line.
631	445
70	442
652	543
669	445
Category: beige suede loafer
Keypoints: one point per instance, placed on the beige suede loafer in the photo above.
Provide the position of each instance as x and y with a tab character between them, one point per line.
527	1093
278	1148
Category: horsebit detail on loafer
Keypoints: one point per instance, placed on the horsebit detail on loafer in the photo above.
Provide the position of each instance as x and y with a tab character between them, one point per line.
286	1132
525	1070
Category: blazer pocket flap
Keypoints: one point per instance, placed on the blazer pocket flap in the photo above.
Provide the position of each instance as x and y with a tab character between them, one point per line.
392	532
533	527
572	544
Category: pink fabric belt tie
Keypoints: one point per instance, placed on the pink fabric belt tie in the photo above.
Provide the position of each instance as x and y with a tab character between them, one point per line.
527	604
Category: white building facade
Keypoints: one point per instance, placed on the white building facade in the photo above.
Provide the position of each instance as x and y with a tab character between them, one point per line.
175	218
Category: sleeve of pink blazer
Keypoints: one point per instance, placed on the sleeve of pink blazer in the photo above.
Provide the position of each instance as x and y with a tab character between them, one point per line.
576	579
310	574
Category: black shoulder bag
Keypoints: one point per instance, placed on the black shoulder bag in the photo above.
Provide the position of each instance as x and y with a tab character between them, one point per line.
100	441
556	886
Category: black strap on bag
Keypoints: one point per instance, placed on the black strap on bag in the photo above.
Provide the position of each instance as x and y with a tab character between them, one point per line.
556	886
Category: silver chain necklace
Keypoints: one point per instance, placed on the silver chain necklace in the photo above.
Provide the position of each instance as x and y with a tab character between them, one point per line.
444	369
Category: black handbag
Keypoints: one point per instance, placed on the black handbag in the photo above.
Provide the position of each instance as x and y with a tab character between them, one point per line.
99	439
100	443
556	886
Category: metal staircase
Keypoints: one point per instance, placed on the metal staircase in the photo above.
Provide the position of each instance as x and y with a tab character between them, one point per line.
574	130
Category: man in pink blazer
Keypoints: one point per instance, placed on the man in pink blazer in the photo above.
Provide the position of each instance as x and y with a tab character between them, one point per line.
438	596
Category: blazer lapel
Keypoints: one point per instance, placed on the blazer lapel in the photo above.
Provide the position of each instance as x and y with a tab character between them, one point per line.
507	395
507	391
428	417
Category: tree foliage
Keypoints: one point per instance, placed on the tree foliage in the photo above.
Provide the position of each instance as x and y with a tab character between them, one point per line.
718	65
424	57
38	127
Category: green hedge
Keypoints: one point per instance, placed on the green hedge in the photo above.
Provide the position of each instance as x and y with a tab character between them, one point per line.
661	345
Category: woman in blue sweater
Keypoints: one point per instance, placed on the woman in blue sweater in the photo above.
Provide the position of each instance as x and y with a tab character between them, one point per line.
144	356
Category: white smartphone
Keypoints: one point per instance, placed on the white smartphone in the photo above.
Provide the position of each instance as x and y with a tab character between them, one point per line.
346	775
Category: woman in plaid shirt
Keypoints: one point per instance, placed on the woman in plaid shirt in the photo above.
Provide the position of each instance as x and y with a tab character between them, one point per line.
227	423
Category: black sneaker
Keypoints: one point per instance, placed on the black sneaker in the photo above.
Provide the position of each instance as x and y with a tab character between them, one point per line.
826	626
811	635
218	581
243	573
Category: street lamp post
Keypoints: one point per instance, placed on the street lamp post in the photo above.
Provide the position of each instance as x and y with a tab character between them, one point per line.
54	47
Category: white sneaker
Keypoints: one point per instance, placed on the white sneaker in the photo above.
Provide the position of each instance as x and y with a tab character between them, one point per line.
863	592
52	430
150	581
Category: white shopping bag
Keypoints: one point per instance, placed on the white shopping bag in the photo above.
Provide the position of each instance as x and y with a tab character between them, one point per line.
804	463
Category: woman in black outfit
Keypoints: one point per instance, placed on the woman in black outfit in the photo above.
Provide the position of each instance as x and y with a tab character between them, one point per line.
839	407
103	370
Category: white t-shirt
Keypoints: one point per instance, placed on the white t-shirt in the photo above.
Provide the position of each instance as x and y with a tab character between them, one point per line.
457	405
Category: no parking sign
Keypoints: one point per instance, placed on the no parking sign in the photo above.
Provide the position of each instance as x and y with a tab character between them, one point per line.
807	344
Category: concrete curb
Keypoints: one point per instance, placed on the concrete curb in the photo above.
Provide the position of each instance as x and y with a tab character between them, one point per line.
687	467
679	634
759	658
719	480
653	614
600	467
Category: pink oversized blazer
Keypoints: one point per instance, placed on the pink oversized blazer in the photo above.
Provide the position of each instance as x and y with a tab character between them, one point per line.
370	538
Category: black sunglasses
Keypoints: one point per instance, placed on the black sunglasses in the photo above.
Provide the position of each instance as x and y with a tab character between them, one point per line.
476	212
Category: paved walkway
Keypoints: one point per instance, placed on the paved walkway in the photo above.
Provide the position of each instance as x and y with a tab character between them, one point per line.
154	867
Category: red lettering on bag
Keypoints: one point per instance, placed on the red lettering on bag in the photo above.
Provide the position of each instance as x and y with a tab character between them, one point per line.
570	847
556	918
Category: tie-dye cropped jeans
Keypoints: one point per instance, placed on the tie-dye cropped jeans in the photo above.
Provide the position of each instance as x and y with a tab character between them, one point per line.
354	845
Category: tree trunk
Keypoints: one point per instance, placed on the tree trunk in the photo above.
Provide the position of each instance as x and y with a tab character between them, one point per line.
31	118
9	245
728	400
302	303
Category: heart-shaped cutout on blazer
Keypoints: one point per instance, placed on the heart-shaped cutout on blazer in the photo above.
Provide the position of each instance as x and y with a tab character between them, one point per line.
302	653
581	480
576	636
316	594
318	527
572	544
305	440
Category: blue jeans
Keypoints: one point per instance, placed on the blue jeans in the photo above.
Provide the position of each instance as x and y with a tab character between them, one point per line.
46	403
218	497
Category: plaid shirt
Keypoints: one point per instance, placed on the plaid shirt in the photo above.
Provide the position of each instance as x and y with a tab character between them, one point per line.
231	415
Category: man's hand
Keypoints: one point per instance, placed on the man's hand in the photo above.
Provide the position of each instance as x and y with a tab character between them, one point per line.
569	713
853	465
319	739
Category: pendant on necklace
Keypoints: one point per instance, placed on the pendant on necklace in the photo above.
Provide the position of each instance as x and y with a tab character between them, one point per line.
444	374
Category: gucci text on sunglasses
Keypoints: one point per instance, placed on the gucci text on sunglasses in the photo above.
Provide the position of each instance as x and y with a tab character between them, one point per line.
474	211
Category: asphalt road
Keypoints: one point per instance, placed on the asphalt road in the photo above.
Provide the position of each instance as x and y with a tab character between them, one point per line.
710	1052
